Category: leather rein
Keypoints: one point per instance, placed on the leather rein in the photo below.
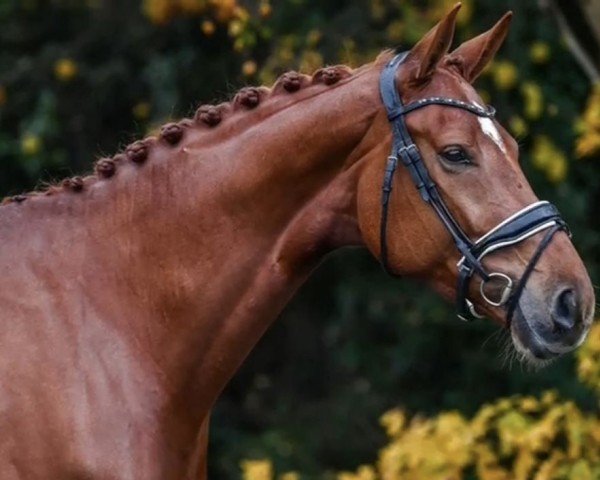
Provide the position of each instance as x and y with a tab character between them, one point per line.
534	218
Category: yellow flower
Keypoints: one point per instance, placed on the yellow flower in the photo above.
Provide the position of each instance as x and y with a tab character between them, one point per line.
511	431
192	7
158	11
557	169
529	404
289	476
588	145
3	95
65	69
518	126
141	110
224	9
208	28
548	469
393	422
588	369
31	144
249	68
364	472
534	100
539	52
524	464
550	159
588	127
541	151
504	405
265	9
480	423
257	470
505	75
592	112
581	471
241	13
236	27
549	397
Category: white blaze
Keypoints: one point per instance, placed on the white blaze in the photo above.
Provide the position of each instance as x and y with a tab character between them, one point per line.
488	127
490	130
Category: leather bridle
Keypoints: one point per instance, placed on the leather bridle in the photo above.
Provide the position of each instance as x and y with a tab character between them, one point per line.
534	218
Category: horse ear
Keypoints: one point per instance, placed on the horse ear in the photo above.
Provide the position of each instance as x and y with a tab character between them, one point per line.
426	54
472	56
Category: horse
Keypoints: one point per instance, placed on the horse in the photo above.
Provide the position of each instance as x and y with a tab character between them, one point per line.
130	297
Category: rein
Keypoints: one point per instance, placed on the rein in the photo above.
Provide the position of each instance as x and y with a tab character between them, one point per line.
534	218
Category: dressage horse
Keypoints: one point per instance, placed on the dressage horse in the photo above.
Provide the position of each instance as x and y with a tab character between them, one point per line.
129	298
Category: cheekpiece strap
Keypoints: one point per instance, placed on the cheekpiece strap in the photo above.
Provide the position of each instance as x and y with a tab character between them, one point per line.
405	151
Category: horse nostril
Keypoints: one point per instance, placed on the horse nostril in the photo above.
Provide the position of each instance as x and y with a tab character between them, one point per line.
566	312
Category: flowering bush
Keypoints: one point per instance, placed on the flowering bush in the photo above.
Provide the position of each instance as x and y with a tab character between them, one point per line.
516	438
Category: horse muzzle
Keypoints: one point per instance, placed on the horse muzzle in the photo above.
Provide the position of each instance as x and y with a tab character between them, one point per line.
545	328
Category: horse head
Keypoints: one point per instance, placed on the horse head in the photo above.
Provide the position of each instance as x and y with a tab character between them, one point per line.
473	228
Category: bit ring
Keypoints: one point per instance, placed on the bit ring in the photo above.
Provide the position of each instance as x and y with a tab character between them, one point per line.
506	291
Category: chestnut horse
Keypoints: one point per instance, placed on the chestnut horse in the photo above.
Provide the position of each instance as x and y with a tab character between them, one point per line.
130	297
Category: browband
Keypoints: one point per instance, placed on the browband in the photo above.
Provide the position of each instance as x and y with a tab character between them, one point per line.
534	218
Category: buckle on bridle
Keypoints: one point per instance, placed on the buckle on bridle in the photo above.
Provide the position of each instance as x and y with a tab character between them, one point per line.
506	289
472	311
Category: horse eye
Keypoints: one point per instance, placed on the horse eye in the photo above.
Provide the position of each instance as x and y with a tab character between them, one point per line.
456	155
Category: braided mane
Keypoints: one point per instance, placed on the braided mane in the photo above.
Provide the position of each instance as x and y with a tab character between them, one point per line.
205	117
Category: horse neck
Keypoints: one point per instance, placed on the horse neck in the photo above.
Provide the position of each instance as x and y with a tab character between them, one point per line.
286	198
193	253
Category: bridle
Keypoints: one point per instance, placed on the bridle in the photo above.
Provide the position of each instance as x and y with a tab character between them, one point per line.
535	218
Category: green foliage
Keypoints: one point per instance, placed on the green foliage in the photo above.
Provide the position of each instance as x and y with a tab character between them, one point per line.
78	79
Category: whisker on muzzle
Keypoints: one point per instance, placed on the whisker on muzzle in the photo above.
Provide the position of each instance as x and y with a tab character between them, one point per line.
495	335
508	353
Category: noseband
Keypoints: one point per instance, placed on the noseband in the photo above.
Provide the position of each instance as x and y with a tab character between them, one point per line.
535	218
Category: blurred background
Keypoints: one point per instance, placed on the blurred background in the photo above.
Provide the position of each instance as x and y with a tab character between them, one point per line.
362	374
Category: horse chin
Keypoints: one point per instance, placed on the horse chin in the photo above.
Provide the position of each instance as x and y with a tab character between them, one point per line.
529	347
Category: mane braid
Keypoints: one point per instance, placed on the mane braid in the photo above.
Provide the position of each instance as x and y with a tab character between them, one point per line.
207	116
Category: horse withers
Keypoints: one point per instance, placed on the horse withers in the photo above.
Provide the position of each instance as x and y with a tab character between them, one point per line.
130	297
